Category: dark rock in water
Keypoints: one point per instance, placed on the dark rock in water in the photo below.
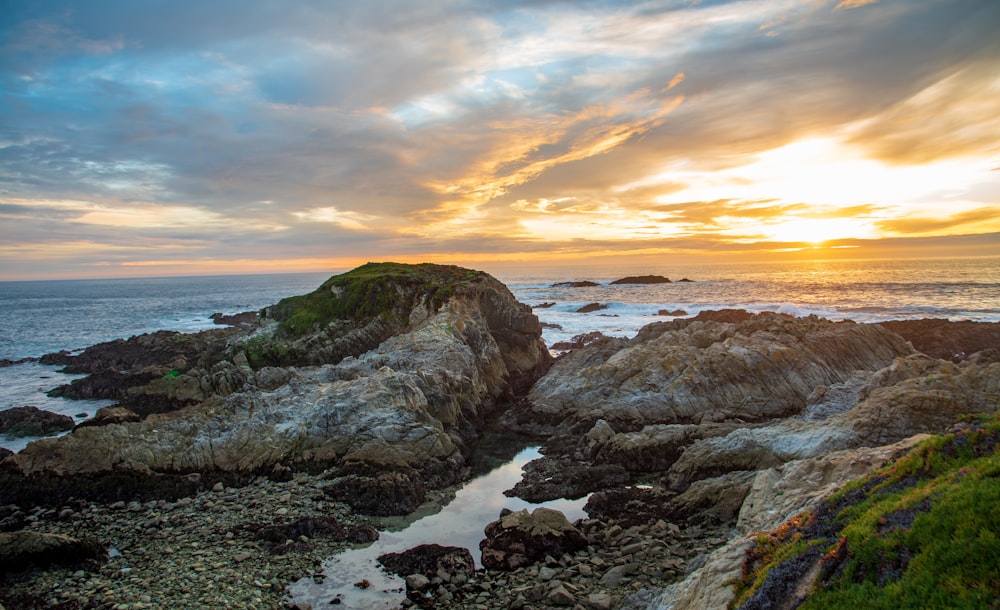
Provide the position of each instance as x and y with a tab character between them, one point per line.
543	305
550	479
430	560
32	421
685	280
945	339
519	538
642	279
583	284
8	362
237	319
110	415
383	495
60	358
25	550
276	537
675	312
550	325
591	307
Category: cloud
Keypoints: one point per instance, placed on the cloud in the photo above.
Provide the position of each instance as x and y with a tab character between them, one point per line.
965	222
249	130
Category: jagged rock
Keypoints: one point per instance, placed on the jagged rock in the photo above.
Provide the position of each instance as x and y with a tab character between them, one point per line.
522	538
236	319
947	340
107	416
32	421
656	447
25	549
716	500
674	313
776	494
581	340
689	371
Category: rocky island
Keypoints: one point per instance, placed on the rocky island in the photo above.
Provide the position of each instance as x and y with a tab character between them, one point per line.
717	454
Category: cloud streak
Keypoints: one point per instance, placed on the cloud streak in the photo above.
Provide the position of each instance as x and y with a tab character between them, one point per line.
152	136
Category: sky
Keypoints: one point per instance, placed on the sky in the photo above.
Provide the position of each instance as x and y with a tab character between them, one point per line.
142	137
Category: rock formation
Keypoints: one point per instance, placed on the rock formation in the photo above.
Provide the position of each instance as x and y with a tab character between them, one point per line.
522	538
404	403
690	371
32	421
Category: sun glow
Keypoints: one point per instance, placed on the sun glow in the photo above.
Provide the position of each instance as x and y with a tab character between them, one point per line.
817	231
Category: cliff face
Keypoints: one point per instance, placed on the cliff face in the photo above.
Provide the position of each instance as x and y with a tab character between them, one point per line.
458	342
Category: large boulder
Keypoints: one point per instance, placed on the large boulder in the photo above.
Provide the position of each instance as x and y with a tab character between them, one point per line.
522	538
692	371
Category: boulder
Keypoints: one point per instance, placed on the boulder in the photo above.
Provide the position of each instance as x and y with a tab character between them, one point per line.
522	538
430	561
32	421
107	416
25	549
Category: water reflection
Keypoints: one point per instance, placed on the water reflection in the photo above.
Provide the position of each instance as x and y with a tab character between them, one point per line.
459	523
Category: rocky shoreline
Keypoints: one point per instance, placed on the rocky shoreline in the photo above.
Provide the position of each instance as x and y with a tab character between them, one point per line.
237	459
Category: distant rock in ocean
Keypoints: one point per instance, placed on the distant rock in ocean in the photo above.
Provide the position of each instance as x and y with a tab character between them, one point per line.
582	284
642	279
591	307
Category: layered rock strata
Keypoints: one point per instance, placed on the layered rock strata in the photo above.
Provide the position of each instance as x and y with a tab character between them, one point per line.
407	405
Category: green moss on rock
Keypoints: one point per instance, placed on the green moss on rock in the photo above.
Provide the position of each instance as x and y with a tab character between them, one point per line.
921	532
370	291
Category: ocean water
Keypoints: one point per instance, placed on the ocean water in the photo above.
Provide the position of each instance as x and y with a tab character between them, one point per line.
48	316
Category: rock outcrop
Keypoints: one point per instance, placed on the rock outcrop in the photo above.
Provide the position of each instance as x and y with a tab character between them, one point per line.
32	421
945	339
406	407
690	371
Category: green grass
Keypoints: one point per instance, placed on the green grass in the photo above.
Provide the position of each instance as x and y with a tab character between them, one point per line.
369	291
921	532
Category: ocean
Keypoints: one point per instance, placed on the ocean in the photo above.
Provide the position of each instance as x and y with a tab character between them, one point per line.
48	316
